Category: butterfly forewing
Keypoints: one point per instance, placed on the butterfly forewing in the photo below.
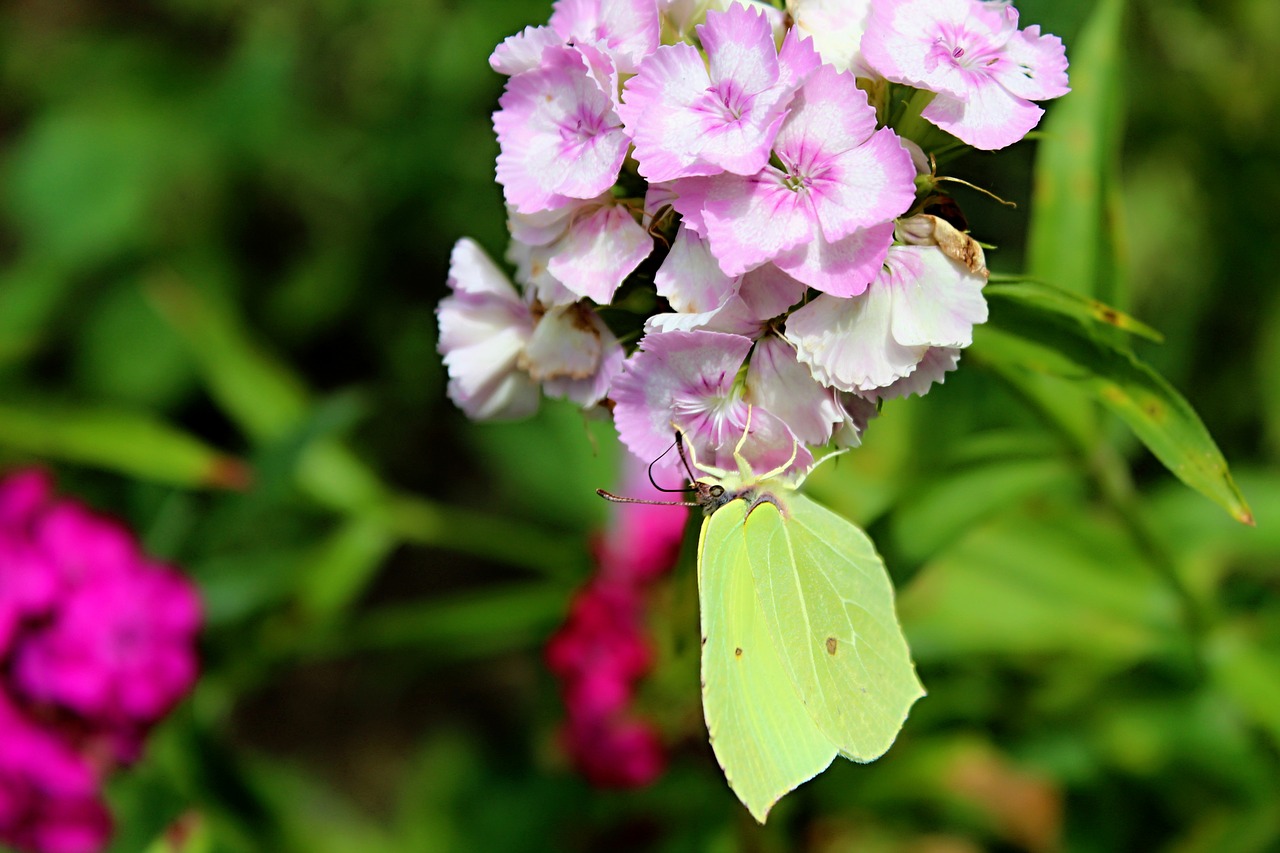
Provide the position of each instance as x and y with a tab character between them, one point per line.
764	739
828	604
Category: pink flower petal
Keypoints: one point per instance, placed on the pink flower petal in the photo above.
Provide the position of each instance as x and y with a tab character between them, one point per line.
779	383
599	251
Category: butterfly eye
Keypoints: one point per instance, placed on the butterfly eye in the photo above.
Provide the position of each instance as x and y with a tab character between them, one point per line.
716	491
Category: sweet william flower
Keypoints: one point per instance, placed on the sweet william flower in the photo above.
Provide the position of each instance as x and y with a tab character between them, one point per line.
688	381
985	71
922	299
574	354
703	297
836	27
825	217
690	116
627	30
484	326
777	382
49	797
583	249
558	133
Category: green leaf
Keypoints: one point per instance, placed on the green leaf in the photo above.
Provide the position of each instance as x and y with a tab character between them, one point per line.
261	395
1071	240
130	442
1021	337
469	624
1051	297
1039	582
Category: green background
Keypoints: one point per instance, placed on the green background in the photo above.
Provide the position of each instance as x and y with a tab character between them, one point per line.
224	227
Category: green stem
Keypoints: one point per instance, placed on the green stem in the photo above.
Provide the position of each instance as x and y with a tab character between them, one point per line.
911	124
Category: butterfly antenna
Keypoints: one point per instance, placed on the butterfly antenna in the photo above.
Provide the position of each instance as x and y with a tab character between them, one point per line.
618	499
654	483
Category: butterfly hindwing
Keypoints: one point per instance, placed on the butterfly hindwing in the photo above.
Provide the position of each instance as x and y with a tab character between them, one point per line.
827	602
762	735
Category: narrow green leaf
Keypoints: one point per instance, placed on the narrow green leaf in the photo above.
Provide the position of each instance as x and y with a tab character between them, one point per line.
130	442
258	393
1021	337
482	623
1051	297
342	566
1071	239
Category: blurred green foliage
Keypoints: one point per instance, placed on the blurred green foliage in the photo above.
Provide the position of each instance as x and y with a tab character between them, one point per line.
224	227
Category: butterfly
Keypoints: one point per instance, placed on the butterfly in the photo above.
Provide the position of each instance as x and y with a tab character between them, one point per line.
802	655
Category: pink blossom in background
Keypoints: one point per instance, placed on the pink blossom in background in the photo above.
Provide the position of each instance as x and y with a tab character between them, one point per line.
985	71
97	644
601	651
49	797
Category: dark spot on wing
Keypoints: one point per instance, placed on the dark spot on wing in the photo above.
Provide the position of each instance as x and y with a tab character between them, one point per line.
737	653
704	641
832	644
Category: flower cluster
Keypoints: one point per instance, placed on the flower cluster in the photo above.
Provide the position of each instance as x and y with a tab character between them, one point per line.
719	208
97	644
601	652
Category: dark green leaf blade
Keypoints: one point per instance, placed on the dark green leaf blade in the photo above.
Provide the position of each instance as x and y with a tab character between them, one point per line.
131	442
1054	298
1024	337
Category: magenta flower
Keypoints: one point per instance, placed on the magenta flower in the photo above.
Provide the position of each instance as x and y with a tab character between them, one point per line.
688	381
825	217
560	138
49	798
89	662
690	119
601	651
922	299
120	646
484	327
986	72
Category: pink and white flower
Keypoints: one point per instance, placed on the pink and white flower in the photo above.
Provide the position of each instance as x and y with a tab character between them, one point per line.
627	30
825	217
574	355
921	300
690	116
687	381
705	298
484	326
559	135
985	71
836	27
777	382
588	247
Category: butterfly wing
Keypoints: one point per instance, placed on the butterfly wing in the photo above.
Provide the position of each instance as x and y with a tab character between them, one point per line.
828	604
764	739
